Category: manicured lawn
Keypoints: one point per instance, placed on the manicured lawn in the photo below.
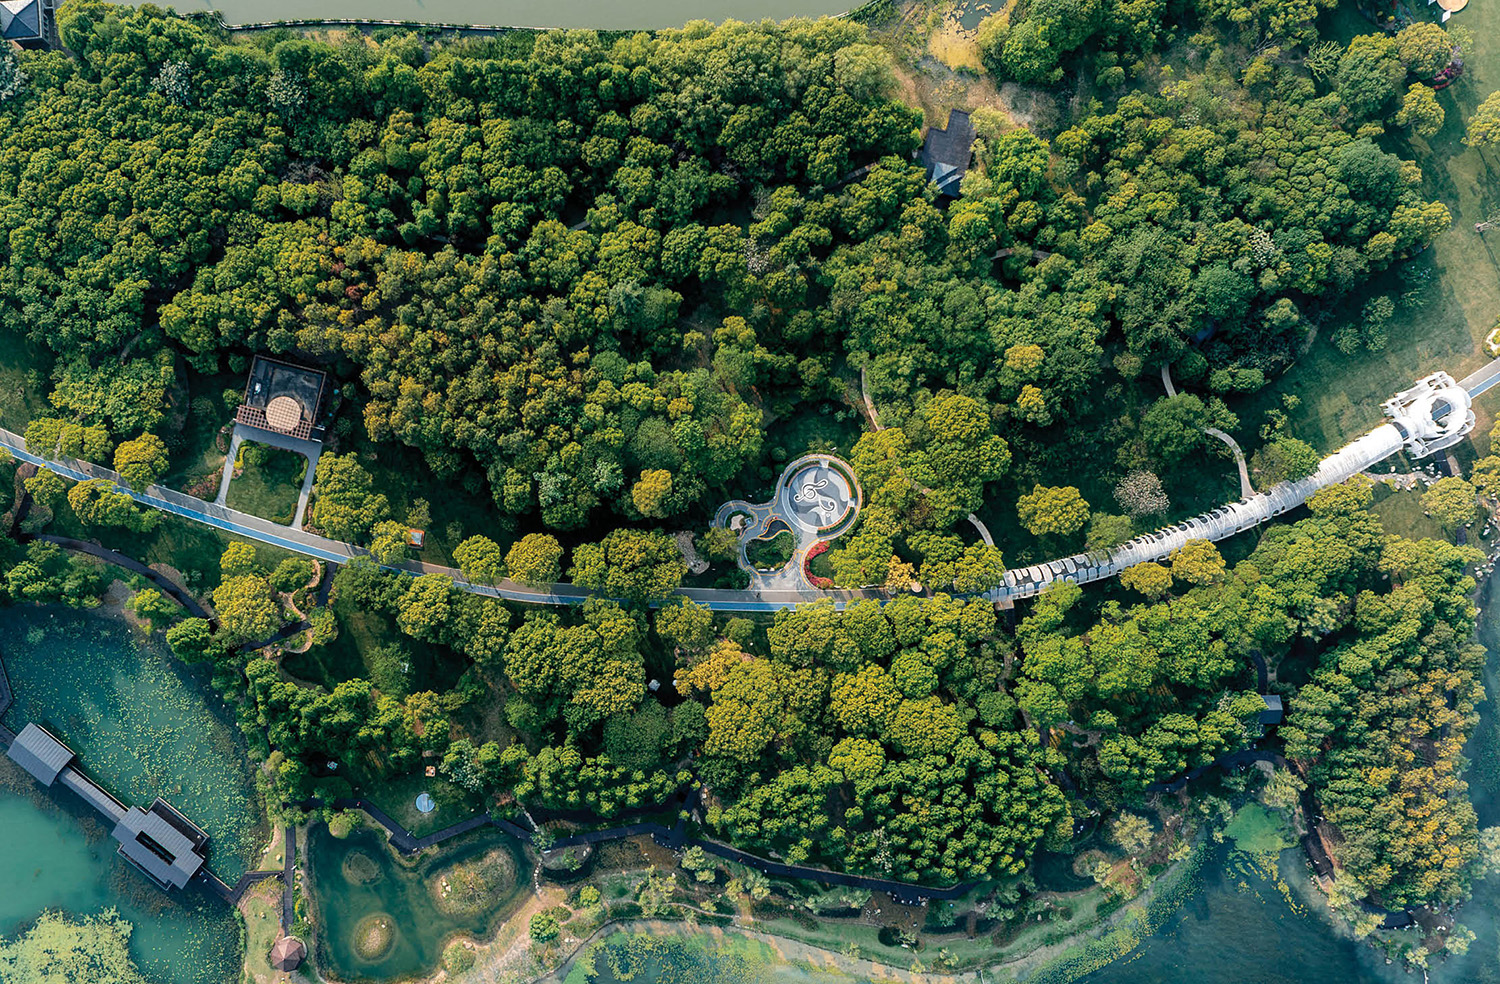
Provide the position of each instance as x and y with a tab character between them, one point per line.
269	482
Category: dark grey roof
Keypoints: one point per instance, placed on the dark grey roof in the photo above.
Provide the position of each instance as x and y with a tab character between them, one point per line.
269	379
946	152
1272	713
92	793
154	845
39	753
20	20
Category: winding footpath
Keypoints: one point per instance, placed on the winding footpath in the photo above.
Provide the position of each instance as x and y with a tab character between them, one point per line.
1252	510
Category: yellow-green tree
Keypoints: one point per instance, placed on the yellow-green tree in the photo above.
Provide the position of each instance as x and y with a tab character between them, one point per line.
535	559
1053	510
141	461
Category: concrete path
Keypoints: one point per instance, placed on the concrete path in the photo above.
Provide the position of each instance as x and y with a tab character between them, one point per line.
1246	489
1217	524
297	445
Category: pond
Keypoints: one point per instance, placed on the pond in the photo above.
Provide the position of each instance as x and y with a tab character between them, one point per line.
521	13
382	919
142	723
80	673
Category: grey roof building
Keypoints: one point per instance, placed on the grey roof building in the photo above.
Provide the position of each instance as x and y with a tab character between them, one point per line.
946	152
283	398
26	22
40	753
165	845
1273	711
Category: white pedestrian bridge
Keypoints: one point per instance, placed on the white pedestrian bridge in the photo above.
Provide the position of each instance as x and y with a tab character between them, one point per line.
1433	415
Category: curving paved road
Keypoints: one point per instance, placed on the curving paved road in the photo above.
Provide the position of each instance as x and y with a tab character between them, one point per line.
1225	521
338	552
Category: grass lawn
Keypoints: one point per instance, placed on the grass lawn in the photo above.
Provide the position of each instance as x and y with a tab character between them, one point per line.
1400	512
397	796
1341	394
23	380
269	482
262	926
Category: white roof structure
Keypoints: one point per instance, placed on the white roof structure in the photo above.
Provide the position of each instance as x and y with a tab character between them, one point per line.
1433	415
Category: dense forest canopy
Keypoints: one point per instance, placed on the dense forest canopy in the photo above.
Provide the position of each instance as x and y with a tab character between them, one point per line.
596	268
589	273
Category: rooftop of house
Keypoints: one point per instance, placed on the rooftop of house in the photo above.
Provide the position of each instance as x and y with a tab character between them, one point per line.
162	843
20	20
283	398
946	152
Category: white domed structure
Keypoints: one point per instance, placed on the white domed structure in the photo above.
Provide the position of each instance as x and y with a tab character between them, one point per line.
1434	414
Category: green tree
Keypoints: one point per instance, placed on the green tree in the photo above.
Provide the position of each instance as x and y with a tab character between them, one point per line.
246	608
544	928
1483	128
1053	511
238	558
1425	48
535	559
97	502
1106	531
142	461
154	609
291	574
1285	459
388	542
190	639
1150	579
630	564
1420	110
1450	501
345	505
1197	562
424	610
46	487
480	559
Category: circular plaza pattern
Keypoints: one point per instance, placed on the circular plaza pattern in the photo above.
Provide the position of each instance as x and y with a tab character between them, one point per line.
816	495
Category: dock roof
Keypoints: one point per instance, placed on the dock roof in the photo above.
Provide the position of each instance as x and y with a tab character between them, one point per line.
40	753
151	842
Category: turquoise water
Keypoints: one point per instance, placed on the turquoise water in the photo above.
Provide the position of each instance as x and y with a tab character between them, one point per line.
142	724
62	860
76	673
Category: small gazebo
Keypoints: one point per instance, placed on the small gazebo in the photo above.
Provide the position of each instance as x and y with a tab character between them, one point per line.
288	953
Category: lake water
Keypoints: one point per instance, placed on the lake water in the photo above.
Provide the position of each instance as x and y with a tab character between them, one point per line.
612	15
76	673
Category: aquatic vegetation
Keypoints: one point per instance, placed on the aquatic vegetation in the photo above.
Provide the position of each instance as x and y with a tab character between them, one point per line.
60	950
141	723
374	936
